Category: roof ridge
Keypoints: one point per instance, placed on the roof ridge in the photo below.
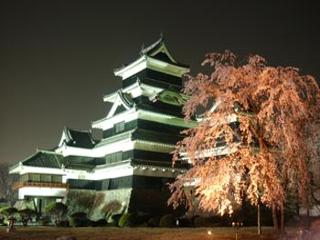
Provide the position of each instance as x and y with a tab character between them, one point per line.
47	151
145	50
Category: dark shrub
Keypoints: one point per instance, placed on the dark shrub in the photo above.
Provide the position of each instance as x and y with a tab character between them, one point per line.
26	215
80	200
125	220
144	224
248	215
133	219
99	223
115	219
140	220
2	216
8	211
79	219
63	223
91	223
57	211
45	220
202	222
167	221
153	222
185	222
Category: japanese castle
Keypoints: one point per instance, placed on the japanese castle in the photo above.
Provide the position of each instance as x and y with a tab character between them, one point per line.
131	164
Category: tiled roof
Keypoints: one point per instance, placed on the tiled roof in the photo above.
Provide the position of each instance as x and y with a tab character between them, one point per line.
44	158
48	159
79	138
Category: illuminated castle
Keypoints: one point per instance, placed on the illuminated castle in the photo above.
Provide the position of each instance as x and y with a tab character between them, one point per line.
131	164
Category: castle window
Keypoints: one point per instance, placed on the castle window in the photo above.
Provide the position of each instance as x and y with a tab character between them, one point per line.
34	177
56	178
45	178
119	127
114	157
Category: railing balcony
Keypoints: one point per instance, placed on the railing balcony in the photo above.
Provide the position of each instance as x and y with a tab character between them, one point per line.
18	185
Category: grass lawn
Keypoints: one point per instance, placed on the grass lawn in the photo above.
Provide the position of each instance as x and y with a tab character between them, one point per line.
110	233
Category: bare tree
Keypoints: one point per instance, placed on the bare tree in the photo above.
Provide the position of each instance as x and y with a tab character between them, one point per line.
266	118
4	178
6	181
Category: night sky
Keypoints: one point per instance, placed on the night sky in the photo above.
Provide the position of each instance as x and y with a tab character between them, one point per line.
57	57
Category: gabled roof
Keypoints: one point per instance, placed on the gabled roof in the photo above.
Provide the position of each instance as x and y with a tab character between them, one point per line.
136	89
50	159
77	138
44	158
158	50
125	99
157	57
120	100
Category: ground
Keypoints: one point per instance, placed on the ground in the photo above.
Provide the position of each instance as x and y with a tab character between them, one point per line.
110	233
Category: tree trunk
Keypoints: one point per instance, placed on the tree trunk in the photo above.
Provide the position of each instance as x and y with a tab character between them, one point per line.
282	217
258	219
275	218
308	217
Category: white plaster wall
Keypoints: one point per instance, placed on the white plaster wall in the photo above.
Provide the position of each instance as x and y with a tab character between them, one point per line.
42	192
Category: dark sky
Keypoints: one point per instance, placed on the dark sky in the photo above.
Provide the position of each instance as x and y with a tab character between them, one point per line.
57	57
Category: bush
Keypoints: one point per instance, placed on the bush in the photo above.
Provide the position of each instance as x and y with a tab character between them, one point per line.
80	200
185	222
45	220
8	211
140	220
26	215
63	223
125	220
133	219
167	221
3	207
2	216
99	223
115	219
153	222
58	212
79	219
202	222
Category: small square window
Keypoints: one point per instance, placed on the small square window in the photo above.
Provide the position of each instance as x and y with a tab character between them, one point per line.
119	127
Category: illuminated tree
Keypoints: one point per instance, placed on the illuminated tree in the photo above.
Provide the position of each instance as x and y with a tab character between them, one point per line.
257	137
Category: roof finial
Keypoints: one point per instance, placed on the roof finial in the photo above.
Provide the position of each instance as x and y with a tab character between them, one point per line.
161	35
142	48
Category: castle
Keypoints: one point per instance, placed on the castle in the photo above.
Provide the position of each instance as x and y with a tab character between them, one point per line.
131	164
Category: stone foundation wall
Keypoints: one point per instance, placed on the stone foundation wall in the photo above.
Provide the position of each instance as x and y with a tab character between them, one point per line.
98	204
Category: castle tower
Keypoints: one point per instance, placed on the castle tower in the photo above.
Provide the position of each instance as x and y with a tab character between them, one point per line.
132	163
